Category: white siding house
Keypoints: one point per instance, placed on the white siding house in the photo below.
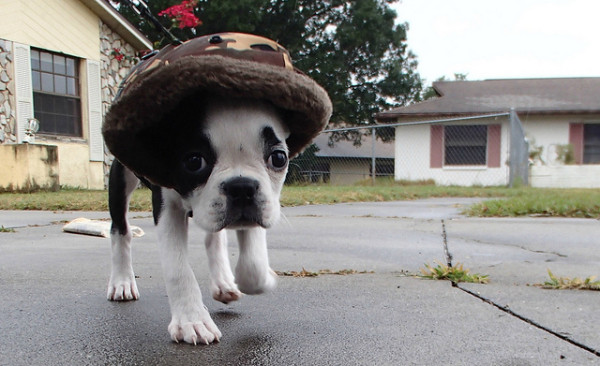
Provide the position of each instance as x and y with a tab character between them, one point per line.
556	115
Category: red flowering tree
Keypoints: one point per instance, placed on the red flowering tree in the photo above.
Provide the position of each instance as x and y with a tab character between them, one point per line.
182	15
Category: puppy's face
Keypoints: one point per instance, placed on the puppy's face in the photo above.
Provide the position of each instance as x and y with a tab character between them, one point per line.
232	165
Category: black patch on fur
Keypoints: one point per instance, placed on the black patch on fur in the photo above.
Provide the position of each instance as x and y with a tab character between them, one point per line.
157	203
117	198
270	141
185	181
171	146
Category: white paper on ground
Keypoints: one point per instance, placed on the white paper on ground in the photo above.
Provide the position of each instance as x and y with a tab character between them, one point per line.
95	227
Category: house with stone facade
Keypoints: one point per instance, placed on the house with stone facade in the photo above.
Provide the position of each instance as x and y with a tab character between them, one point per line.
463	136
61	62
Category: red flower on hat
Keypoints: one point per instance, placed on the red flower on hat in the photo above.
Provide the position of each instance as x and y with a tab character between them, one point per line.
182	14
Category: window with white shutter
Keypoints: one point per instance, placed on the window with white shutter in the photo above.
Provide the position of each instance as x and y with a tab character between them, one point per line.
56	93
23	89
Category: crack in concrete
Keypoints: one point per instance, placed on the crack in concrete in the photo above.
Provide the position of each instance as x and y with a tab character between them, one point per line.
512	246
561	335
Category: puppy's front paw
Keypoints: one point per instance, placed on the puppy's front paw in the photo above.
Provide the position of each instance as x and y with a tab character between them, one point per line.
225	292
122	288
194	327
255	282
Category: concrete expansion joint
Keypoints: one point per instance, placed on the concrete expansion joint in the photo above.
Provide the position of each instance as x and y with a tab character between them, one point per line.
506	309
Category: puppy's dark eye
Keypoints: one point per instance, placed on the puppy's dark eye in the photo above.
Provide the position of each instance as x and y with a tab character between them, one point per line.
277	160
194	163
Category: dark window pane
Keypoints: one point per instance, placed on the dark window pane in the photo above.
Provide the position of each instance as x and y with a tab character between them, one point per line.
591	144
72	107
71	86
58	115
60	84
468	155
62	126
465	145
35	60
71	71
46	61
47	122
47	103
55	97
36	80
47	82
60	107
59	65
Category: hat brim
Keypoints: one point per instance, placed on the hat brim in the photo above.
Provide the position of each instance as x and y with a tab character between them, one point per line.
143	108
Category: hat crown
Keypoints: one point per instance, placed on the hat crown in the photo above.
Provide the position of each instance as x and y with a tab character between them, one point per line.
239	46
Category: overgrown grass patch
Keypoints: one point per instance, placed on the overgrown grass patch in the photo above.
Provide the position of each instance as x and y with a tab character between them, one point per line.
71	200
329	194
583	203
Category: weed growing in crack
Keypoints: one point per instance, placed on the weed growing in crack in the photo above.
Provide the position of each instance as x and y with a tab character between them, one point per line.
7	229
566	283
305	273
455	273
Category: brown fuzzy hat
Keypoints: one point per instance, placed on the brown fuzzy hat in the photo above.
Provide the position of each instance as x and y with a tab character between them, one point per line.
225	64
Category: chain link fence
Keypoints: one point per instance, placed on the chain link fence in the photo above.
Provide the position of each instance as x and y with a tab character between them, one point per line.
346	156
487	150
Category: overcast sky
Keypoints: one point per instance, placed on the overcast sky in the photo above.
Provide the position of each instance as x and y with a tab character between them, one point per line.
488	39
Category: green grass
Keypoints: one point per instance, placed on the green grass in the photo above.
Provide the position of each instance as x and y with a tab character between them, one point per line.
500	201
326	194
70	200
583	203
456	273
6	229
566	283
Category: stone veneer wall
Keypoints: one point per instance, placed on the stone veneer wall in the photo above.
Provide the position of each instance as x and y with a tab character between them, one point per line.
113	72
7	94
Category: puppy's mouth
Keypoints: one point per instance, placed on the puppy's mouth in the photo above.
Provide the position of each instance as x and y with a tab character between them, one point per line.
244	205
243	217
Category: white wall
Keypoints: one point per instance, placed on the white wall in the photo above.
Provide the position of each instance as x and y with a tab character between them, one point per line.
413	152
548	132
565	176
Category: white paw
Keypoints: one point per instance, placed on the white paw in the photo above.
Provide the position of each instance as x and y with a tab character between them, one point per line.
122	288
254	283
225	292
195	327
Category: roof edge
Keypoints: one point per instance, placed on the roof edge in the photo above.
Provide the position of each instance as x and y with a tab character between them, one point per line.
390	117
119	24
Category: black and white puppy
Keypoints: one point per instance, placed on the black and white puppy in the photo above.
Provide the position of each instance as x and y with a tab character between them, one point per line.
229	161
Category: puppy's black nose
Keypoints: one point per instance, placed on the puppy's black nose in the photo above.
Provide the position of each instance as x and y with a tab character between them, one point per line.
241	191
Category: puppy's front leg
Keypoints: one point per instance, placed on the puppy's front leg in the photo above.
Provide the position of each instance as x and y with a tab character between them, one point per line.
222	283
252	273
190	320
122	285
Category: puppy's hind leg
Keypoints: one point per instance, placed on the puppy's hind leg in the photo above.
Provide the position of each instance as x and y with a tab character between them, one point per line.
222	282
122	285
252	272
